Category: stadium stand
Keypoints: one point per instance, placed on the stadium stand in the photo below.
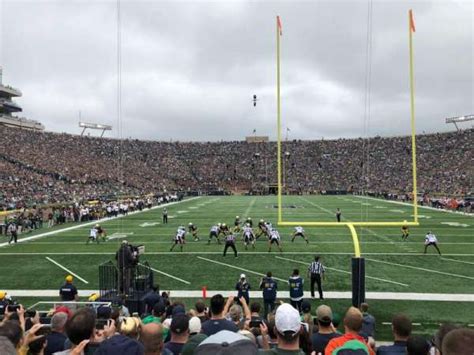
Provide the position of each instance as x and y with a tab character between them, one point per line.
44	167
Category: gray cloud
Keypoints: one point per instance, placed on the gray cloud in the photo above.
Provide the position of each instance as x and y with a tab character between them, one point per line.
189	69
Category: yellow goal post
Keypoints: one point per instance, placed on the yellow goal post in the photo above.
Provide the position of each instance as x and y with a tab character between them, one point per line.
350	225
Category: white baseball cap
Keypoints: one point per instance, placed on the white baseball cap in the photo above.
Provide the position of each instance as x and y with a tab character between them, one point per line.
242	276
287	319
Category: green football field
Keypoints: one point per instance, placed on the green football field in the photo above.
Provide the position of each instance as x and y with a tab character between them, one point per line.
391	265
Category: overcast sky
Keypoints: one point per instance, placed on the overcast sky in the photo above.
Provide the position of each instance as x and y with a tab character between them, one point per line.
190	68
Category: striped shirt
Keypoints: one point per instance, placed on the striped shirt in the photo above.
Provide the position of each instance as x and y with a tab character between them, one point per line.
316	268
230	238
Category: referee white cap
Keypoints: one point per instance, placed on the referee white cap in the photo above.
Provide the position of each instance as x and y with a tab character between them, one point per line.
242	276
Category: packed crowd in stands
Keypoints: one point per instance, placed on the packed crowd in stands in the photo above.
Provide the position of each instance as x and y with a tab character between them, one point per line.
45	167
228	326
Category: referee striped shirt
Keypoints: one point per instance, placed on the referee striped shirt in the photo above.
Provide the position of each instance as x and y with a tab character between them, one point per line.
316	268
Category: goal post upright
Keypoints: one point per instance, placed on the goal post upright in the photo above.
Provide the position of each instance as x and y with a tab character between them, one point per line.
278	35
411	30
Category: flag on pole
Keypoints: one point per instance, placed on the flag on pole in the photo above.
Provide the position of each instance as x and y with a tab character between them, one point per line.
412	21
279	25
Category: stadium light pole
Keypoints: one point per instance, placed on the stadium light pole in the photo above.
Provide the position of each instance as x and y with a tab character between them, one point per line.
459	119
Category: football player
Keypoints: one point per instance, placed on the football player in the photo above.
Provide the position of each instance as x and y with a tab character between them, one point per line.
430	239
93	236
194	231
224	229
179	238
274	238
405	232
262	229
248	236
237	224
299	232
249	221
101	233
268	228
214	232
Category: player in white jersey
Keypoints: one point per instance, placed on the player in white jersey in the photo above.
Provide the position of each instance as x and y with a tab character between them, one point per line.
299	232
248	236
274	237
179	238
268	228
214	232
430	239
93	235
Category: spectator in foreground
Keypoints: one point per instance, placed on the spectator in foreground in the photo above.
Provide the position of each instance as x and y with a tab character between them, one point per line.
55	339
438	338
179	333
217	321
80	330
201	311
226	342
368	325
401	329
417	345
351	340
287	328
152	298
459	342
156	315
325	331
7	346
151	336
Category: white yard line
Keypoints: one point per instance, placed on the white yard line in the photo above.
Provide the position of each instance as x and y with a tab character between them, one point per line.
66	269
422	269
238	268
171	276
458	261
346	272
42	235
410	204
405	296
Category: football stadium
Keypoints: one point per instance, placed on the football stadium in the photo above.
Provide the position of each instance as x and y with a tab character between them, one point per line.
153	222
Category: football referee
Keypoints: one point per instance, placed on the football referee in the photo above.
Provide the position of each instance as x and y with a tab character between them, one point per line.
316	273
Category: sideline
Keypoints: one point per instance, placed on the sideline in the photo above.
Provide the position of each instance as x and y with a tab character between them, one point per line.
393	296
42	235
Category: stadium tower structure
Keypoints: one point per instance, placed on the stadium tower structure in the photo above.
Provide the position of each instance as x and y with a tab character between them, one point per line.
8	107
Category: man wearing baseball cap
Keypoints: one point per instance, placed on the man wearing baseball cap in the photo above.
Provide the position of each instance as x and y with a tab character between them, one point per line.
68	292
325	331
287	329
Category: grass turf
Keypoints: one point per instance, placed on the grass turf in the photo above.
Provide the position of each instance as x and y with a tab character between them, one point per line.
388	259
